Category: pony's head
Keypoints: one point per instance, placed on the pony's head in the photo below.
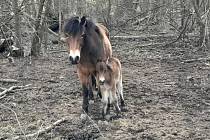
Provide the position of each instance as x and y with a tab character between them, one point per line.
74	31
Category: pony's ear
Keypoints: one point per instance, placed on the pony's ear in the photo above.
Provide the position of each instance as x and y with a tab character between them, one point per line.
99	60
107	61
109	66
83	20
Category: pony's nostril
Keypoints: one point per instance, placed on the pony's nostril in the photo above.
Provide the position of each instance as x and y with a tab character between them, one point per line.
70	58
101	82
77	58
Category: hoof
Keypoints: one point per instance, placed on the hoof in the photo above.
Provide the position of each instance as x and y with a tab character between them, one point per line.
115	117
107	117
91	102
124	109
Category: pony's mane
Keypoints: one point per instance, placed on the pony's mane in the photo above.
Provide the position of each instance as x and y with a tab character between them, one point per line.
74	26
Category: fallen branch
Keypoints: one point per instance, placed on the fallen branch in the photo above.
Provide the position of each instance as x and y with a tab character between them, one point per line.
41	131
9	80
1	88
205	102
58	51
94	124
16	117
29	88
12	88
141	36
197	59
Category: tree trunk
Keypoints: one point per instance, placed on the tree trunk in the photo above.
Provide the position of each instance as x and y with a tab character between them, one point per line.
199	21
79	8
182	12
60	17
17	27
45	25
109	14
33	7
37	38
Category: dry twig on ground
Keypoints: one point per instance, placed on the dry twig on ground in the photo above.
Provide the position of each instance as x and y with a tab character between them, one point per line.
12	88
9	80
94	124
16	117
41	131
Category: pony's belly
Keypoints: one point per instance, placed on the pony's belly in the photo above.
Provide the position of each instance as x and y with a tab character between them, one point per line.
86	69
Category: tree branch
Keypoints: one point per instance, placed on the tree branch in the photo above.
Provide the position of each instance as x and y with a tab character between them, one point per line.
12	88
41	131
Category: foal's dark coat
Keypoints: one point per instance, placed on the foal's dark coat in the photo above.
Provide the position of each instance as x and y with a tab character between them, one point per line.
91	47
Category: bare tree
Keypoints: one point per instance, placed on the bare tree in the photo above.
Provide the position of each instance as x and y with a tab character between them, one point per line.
196	6
17	26
37	38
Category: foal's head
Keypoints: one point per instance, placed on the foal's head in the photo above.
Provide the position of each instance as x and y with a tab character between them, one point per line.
74	31
103	72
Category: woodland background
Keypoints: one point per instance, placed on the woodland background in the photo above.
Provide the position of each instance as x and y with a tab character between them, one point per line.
163	46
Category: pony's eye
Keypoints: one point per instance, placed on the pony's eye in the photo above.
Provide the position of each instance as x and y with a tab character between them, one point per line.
66	34
83	35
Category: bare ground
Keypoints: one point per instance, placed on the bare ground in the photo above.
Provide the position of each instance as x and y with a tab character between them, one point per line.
167	96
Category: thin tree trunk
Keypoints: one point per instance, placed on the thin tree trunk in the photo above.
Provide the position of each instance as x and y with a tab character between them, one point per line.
60	17
17	27
45	25
109	14
37	38
199	21
79	8
182	12
33	7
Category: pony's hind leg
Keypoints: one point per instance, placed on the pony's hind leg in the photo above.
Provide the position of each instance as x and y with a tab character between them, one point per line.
114	100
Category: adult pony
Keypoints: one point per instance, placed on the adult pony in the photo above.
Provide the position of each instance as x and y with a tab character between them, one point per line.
87	43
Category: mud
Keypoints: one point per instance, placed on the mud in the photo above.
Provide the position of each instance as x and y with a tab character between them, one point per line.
167	96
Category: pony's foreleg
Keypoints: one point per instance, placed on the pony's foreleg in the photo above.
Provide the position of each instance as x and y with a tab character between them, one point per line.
92	85
85	102
105	96
84	81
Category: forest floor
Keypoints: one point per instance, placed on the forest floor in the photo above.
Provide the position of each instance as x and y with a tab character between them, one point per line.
166	91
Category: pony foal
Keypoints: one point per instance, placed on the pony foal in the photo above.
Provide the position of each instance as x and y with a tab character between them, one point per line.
109	80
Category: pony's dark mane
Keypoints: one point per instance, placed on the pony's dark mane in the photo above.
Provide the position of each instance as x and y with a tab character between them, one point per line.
74	26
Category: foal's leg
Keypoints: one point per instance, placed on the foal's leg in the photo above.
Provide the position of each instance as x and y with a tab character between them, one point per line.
120	92
98	89
105	96
115	101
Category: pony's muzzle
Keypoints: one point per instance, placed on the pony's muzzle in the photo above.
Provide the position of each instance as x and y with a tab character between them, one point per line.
101	82
74	60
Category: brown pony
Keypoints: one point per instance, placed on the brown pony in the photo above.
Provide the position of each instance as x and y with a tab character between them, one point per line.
87	42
